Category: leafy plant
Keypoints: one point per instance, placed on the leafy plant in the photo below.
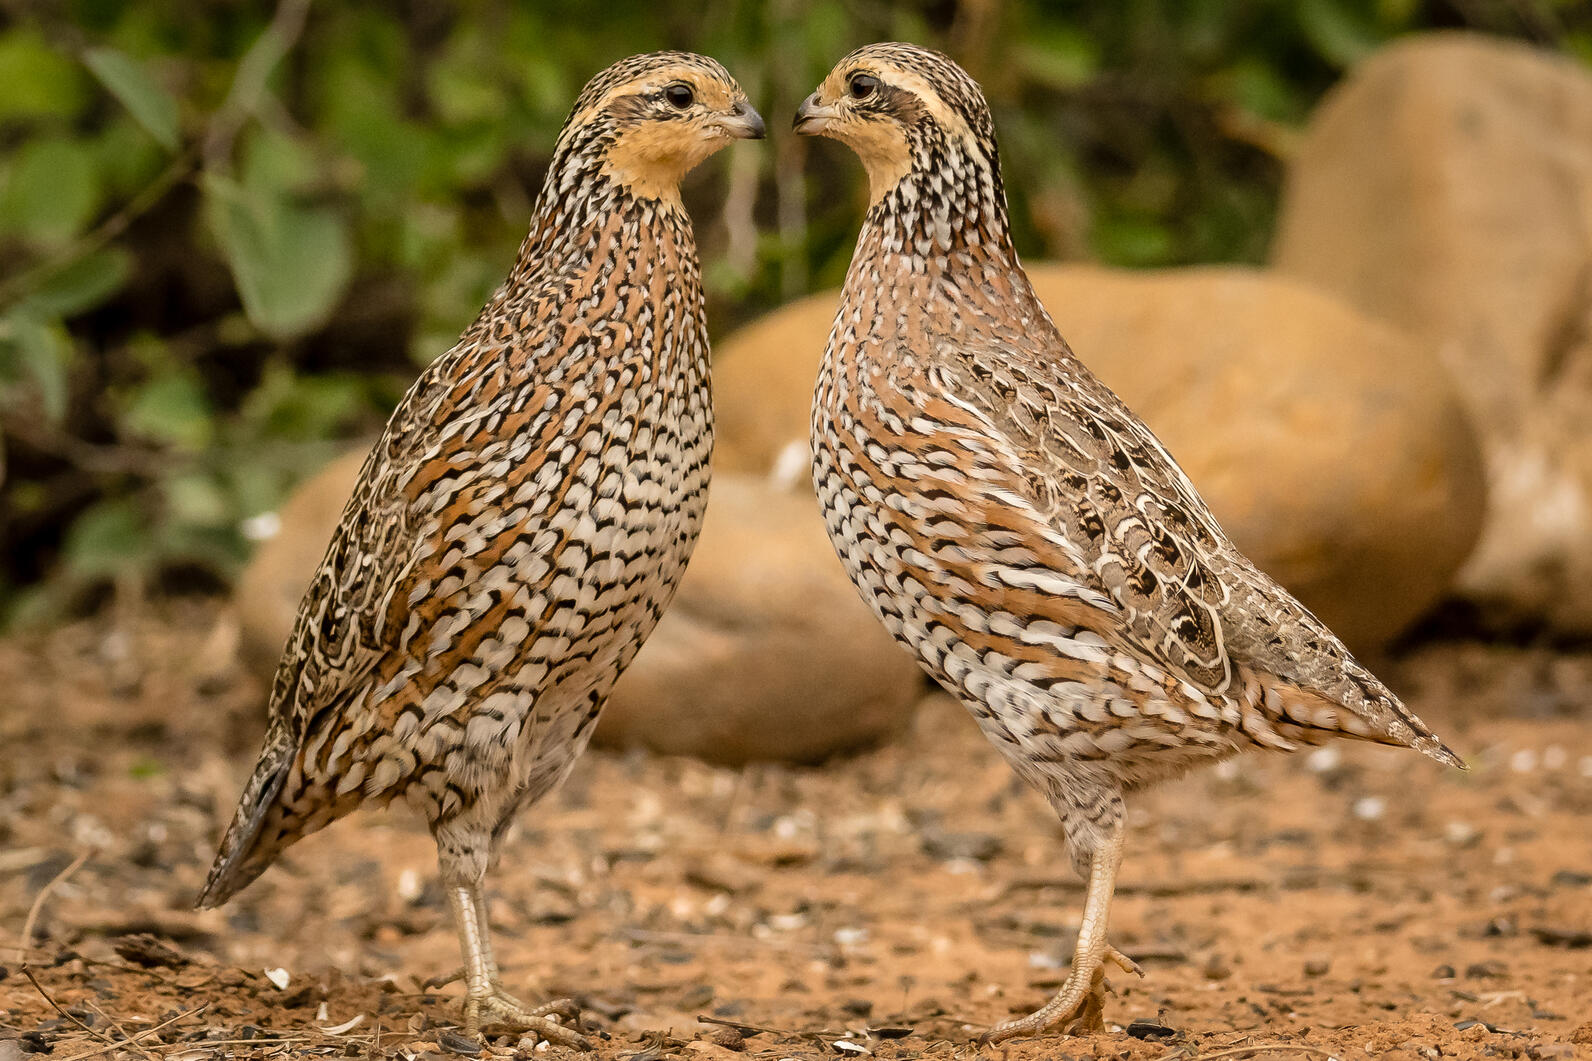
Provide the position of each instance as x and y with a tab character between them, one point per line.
233	232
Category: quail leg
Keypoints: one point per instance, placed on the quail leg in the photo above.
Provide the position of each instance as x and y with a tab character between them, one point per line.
1080	1002
486	1004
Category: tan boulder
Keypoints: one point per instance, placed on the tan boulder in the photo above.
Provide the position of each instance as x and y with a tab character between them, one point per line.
767	651
763	377
266	598
1446	186
1330	447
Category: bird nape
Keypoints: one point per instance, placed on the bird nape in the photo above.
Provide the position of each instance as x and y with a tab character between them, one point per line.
519	527
1020	530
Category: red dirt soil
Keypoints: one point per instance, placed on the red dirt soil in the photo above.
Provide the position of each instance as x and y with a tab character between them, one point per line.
1350	902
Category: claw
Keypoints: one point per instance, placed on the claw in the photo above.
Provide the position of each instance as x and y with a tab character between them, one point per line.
443	981
498	1009
1123	962
1079	1011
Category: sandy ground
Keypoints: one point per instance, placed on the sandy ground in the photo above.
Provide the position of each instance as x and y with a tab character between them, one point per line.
1353	902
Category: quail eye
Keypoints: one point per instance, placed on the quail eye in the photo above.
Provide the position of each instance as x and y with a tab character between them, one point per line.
861	86
679	95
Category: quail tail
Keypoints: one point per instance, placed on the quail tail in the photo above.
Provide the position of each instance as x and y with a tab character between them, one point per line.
1360	707
234	868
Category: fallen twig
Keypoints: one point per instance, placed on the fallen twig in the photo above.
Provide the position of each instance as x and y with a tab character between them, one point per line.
1258	1048
743	1027
107	1043
127	1037
146	1033
26	941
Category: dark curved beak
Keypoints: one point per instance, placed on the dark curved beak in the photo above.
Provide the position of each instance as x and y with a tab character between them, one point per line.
813	117
744	123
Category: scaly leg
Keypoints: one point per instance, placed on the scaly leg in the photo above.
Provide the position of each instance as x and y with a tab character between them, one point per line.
485	1002
1081	998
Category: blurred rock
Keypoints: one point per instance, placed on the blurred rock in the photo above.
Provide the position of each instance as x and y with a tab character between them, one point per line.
1446	186
763	376
1331	448
267	596
767	651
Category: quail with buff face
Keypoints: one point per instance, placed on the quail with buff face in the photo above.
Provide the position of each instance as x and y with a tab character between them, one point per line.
1019	530
521	524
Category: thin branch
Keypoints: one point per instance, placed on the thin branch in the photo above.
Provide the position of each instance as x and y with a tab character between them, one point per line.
756	1029
127	1038
38	903
118	459
243	99
249	82
34	980
141	1036
19	285
1261	1048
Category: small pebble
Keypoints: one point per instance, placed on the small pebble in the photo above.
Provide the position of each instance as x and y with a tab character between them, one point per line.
1150	1029
410	886
729	1038
1551	1051
1317	966
455	1043
1323	760
1217	967
1370	808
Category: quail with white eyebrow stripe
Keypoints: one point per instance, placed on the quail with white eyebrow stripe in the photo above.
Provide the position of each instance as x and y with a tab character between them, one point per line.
1019	529
520	526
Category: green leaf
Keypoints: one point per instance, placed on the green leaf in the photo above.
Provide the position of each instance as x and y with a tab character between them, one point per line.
1061	58
109	539
1339	35
40	351
54	188
1260	90
196	500
460	86
276	163
290	262
1132	241
171	407
305	408
36	81
82	285
145	99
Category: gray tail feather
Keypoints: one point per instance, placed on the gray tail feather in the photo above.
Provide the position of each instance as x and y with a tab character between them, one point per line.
1362	708
234	868
1404	725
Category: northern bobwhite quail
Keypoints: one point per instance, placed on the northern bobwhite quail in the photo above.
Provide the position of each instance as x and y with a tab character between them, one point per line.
521	524
1018	528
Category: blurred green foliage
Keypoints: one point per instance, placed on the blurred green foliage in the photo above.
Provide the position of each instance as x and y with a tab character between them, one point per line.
232	231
